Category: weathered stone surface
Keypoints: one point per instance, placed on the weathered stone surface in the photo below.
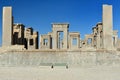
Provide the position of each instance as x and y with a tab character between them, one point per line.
7	26
72	58
60	27
74	35
107	27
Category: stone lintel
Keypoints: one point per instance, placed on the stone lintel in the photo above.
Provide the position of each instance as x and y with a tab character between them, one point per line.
60	24
89	35
18	24
74	34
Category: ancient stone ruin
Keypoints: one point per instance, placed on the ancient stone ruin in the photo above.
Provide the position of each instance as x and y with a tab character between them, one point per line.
20	45
102	38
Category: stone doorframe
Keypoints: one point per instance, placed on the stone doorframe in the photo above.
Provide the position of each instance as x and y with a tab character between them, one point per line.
58	27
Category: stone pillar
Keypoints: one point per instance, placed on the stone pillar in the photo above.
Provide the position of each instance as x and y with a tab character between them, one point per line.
28	43
58	40
99	27
107	27
98	41
115	39
54	39
78	41
92	42
34	43
65	39
7	26
40	42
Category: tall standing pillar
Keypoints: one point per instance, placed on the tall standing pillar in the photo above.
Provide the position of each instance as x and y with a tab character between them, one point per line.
65	39
107	27
7	26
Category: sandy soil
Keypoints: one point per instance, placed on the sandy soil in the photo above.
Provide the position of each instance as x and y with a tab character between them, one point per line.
60	73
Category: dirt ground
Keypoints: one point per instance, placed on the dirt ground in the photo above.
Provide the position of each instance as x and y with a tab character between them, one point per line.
60	73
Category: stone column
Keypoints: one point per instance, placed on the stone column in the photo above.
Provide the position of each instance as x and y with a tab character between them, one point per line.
70	45
34	43
107	27
40	42
58	40
54	39
7	26
92	42
98	41
78	41
116	39
65	39
28	43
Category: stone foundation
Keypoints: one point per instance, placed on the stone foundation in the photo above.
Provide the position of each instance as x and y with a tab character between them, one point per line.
49	57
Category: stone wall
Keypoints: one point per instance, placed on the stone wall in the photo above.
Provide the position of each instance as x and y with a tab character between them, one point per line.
70	58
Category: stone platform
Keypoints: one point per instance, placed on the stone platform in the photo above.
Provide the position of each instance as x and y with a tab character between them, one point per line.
51	57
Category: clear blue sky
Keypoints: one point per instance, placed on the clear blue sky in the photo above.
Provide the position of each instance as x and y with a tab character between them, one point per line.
39	14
